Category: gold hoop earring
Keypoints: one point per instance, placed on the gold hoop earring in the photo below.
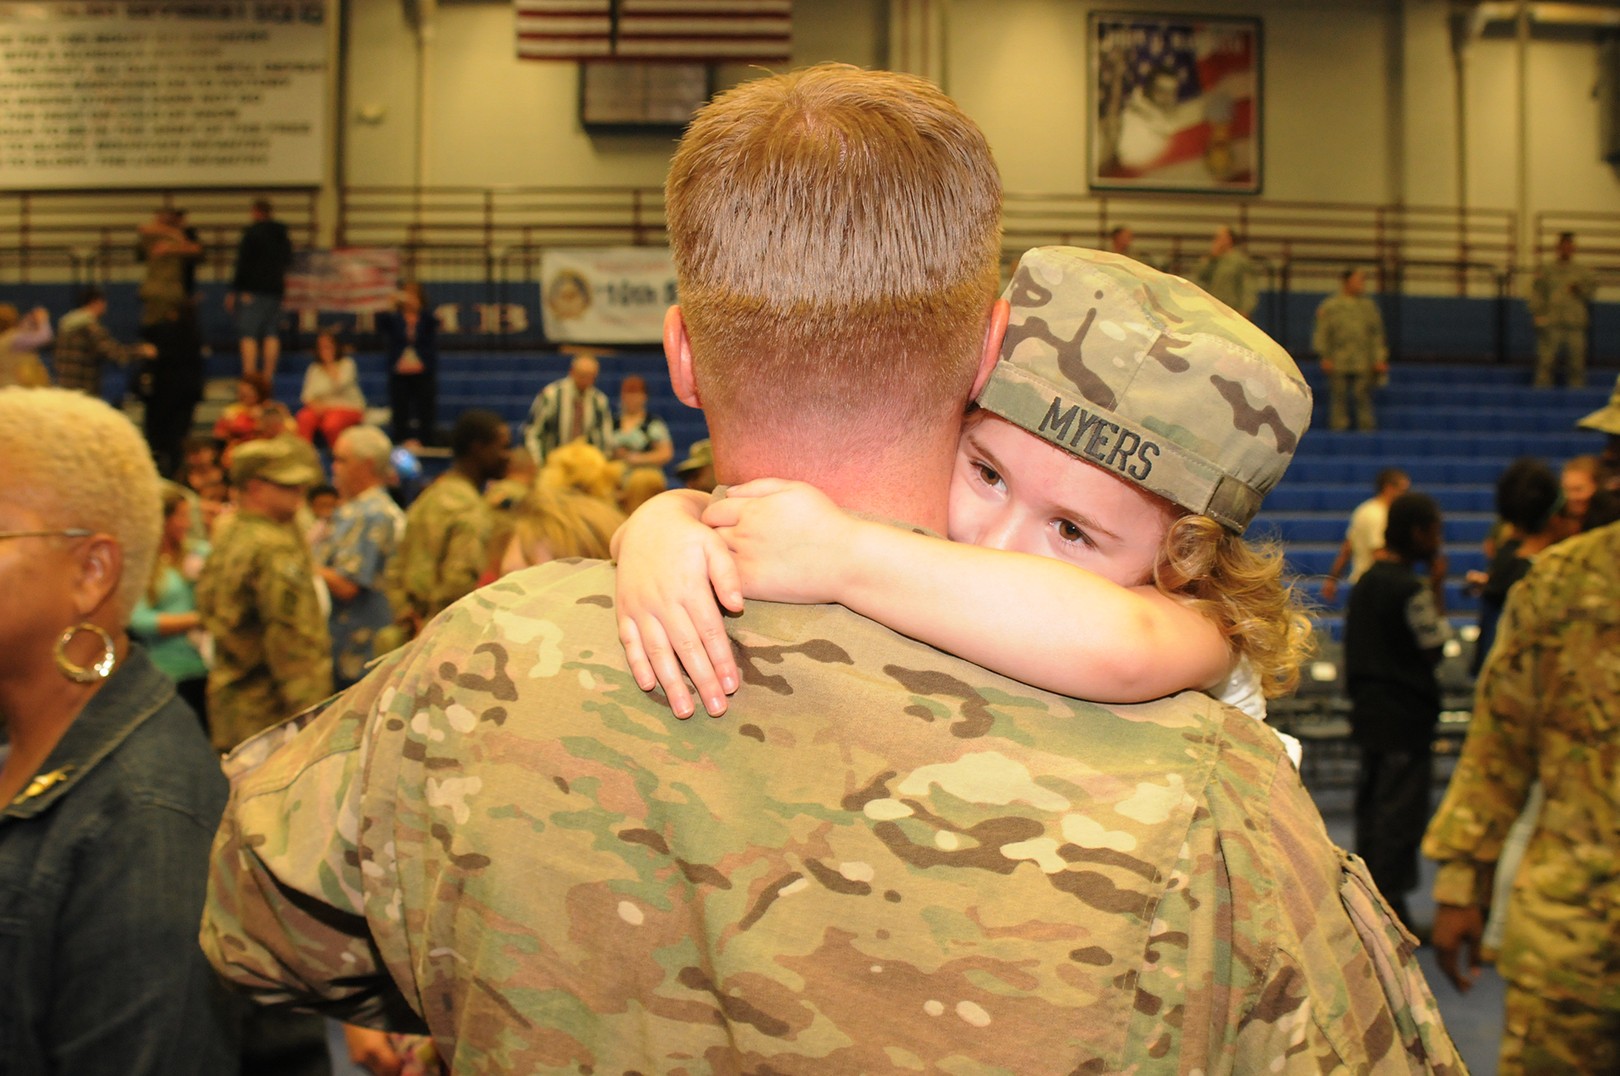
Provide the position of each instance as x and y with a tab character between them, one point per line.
81	674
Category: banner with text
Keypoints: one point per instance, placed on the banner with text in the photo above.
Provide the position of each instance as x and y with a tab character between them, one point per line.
611	295
162	93
347	280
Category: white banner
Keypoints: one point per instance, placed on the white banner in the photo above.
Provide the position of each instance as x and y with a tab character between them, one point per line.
612	295
162	93
346	280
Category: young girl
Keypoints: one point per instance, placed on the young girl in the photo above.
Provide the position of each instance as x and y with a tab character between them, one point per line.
1103	482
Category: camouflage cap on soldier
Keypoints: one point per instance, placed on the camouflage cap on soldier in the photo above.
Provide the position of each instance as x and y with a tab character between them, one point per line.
286	461
1147	376
701	455
1605	419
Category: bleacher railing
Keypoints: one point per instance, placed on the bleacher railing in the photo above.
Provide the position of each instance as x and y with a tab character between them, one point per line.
493	237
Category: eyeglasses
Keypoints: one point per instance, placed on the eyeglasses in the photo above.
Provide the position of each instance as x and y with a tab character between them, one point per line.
71	532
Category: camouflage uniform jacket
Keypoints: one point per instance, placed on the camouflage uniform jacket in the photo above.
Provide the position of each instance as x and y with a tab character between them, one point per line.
1232	279
1549	707
1350	334
272	649
882	859
83	345
442	554
1562	293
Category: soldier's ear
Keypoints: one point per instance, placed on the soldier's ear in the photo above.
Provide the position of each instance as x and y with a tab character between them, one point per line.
678	353
994	333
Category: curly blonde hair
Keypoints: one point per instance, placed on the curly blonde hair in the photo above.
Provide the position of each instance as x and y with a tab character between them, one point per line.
553	524
1241	588
581	467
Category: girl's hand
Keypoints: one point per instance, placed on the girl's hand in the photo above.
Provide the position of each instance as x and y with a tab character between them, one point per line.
671	570
789	540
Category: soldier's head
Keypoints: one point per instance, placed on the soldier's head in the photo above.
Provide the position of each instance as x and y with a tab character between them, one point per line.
1120	239
1566	246
1414	531
479	443
836	236
260	209
1223	240
272	475
1353	281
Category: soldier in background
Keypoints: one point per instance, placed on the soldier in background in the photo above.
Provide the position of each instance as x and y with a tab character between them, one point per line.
1560	306
1547	707
1122	241
1228	274
447	529
1350	339
272	649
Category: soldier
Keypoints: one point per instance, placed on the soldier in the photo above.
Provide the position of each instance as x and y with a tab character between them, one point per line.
884	858
1560	301
1546	707
272	650
1122	241
447	528
1228	274
1350	339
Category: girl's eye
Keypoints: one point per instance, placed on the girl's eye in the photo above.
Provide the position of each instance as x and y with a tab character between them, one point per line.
988	474
1069	532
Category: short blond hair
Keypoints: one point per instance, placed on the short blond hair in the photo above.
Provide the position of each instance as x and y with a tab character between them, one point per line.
641	485
1242	587
78	463
581	467
837	239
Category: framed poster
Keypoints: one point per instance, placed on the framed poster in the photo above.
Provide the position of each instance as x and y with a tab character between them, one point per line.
1175	103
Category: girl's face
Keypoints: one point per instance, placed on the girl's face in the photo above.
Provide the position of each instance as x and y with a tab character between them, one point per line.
178	523
1013	491
326	348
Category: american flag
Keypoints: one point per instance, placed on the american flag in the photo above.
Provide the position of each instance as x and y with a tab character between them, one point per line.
1172	90
701	31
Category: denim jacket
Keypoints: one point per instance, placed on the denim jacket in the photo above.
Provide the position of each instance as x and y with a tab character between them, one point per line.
103	861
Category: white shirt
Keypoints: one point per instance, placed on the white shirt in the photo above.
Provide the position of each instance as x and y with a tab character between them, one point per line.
1366	534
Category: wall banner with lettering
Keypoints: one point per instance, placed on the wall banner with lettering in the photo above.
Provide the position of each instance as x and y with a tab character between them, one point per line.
611	295
163	93
348	280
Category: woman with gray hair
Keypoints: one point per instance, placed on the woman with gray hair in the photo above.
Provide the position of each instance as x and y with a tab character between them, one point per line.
109	793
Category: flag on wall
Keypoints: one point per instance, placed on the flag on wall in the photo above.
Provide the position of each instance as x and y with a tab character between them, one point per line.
701	31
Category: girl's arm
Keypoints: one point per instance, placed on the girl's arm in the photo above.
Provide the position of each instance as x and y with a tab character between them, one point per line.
1044	622
671	568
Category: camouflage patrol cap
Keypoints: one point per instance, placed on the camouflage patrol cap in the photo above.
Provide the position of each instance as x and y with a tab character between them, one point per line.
1147	376
286	461
1605	419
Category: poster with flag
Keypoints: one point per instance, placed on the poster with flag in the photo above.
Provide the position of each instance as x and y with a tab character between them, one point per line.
347	280
1176	103
689	31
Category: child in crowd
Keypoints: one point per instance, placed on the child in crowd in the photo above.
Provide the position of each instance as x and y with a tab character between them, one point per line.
1117	452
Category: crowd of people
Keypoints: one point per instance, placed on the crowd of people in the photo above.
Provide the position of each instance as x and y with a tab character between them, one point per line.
994	785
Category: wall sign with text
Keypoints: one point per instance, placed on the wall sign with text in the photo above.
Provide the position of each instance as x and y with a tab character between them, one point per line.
163	93
1175	103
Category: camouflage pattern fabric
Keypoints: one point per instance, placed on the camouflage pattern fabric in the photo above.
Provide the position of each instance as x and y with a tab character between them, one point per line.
882	859
1232	279
1350	333
1562	293
1146	376
1541	1037
442	555
272	650
1548	706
